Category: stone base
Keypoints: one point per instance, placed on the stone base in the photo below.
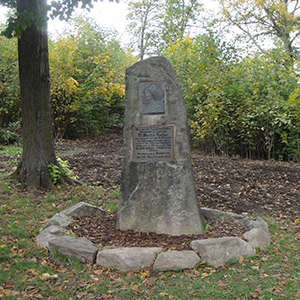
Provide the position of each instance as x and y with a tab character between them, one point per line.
216	252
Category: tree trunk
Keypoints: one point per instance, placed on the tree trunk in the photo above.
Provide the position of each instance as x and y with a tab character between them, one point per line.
38	145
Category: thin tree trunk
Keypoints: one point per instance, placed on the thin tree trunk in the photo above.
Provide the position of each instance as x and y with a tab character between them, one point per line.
38	146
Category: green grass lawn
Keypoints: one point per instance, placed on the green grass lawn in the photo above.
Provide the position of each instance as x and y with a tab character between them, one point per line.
30	272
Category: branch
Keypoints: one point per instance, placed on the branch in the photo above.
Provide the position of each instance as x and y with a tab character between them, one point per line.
295	8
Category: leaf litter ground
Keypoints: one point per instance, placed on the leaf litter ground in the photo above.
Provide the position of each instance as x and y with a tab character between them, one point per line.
242	186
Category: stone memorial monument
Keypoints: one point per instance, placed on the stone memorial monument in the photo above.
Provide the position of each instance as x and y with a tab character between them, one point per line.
157	186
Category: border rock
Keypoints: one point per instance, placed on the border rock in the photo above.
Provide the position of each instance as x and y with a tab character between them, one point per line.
59	219
176	260
47	234
214	251
80	248
214	214
218	215
257	237
83	209
219	251
127	258
252	223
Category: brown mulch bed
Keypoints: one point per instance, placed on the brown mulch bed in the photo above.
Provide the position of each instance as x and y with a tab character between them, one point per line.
102	231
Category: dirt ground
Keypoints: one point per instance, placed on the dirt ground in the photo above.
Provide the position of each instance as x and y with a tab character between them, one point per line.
232	184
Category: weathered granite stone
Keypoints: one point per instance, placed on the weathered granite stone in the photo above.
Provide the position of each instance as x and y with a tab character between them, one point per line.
83	209
218	251
218	215
49	233
176	260
81	248
257	222
131	258
157	185
59	219
257	237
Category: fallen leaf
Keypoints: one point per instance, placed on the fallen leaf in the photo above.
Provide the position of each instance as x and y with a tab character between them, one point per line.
256	293
147	283
62	270
6	292
134	287
47	276
81	295
98	272
222	284
34	272
241	259
145	274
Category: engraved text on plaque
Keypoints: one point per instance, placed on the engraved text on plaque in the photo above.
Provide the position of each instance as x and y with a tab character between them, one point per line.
155	143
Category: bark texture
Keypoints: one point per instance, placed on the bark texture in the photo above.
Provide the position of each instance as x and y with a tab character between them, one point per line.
38	146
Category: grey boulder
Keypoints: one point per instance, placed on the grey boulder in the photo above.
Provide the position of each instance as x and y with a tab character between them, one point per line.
131	258
83	209
176	260
219	251
257	237
49	233
81	248
257	222
59	219
219	215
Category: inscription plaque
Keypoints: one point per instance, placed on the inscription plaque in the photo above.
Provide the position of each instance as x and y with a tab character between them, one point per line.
155	143
152	98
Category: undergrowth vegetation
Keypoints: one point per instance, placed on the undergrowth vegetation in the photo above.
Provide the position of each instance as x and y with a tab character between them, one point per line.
238	104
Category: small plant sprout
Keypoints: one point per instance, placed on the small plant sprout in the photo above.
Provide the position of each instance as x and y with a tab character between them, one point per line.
55	171
205	229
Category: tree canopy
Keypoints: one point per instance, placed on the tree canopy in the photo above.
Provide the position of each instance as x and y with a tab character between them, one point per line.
153	24
273	20
62	9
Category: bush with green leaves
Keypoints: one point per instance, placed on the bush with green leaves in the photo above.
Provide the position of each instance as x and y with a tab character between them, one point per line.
87	67
237	106
10	103
10	134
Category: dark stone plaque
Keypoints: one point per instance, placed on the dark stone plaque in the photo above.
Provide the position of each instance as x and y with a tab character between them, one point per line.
152	98
155	143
